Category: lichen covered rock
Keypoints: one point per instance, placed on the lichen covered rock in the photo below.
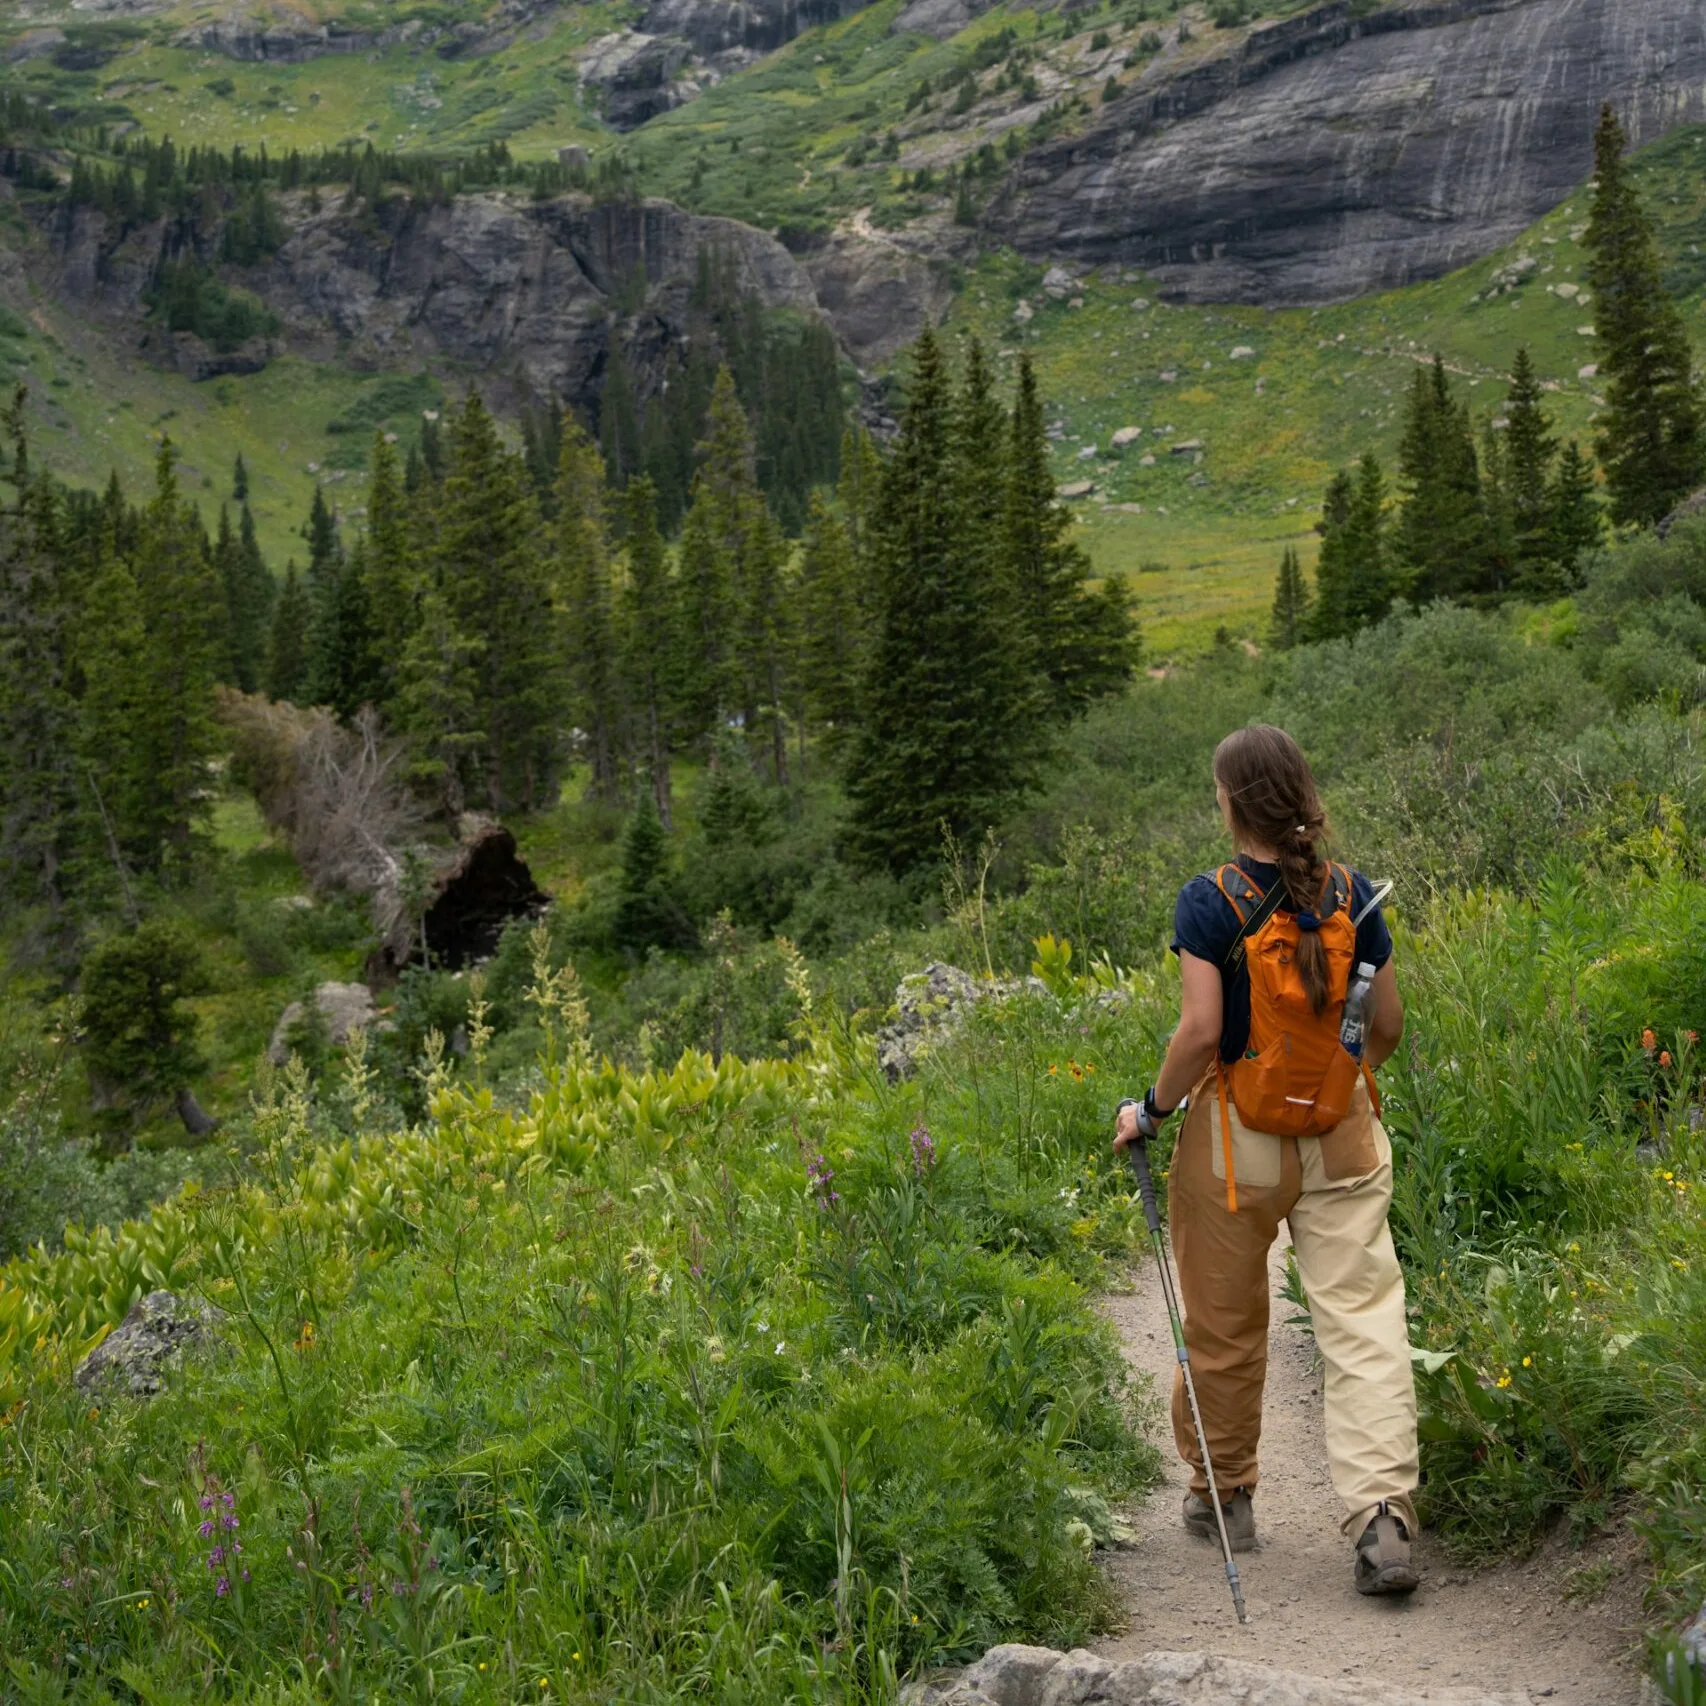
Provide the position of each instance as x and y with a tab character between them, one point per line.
154	1336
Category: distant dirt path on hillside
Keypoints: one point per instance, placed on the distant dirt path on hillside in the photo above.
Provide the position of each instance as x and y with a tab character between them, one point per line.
1509	1627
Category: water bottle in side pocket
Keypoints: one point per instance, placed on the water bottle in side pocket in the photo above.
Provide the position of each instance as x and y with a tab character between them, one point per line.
1359	1003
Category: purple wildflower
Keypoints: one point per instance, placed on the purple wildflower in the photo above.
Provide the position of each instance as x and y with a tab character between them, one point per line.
206	1529
216	1557
923	1150
821	1177
222	1587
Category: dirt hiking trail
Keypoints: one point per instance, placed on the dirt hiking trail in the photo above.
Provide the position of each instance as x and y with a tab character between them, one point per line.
1509	1627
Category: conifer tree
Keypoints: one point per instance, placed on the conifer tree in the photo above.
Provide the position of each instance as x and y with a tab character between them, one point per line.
648	912
702	681
248	600
436	705
345	670
1440	524
388	562
1577	521
287	649
1290	622
645	621
41	620
619	416
583	593
861	474
832	656
183	606
497	584
240	480
1080	644
113	662
1529	451
1366	546
1330	616
1499	544
942	739
1651	441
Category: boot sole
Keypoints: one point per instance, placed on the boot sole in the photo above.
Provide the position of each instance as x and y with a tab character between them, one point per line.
1388	1579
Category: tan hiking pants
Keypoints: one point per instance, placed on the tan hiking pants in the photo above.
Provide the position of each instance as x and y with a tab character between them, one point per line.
1333	1192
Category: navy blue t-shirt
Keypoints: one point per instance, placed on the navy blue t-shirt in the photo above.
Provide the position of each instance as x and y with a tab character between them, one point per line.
1204	924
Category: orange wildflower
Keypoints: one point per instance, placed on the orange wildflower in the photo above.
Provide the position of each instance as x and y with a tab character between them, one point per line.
1648	1041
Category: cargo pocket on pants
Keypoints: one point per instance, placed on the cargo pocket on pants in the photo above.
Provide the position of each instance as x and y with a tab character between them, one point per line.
1352	1149
1257	1158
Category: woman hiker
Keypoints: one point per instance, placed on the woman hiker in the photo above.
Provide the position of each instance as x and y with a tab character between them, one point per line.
1283	1123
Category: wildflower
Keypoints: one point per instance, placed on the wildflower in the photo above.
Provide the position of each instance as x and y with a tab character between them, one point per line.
1528	1362
1502	1382
1679	1264
923	1150
820	1176
1648	1040
222	1587
482	1664
1664	1057
577	1658
1053	1070
1692	1037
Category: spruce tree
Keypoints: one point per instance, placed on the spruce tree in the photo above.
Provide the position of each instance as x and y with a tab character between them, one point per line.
942	740
1499	544
240	480
584	596
41	618
389	563
1080	644
287	648
497	583
832	653
1367	546
1651	441
1576	518
183	607
345	670
113	662
618	415
703	678
1440	534
436	704
1331	615
1290	622
648	912
645	624
248	600
861	476
1529	451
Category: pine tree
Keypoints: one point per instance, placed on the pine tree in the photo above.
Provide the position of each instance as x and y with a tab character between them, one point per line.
436	704
287	649
240	480
645	622
1440	524
1369	595
703	684
1577	522
346	671
40	623
1529	450
113	662
389	564
941	739
248	592
1499	543
1080	644
648	912
183	606
1290	623
583	593
1651	441
861	478
1330	616
833	632
619	416
497	584
321	582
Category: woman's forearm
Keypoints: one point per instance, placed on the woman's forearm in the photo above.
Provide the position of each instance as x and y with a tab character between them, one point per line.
1188	1058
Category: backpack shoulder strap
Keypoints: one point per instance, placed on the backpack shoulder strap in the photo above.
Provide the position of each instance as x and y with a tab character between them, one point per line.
1267	904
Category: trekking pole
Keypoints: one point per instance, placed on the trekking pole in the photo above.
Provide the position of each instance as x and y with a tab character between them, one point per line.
1139	1152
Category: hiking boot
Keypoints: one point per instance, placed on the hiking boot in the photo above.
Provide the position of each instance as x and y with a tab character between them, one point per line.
1240	1517
1383	1556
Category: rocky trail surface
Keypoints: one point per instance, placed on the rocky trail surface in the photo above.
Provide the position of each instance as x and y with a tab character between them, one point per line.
1506	1630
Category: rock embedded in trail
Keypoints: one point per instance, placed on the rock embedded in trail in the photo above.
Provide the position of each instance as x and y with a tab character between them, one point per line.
154	1336
1017	1675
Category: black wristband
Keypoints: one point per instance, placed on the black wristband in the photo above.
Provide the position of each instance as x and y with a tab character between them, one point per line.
1157	1112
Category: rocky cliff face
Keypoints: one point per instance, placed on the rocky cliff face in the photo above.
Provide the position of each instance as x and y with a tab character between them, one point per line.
1334	155
521	291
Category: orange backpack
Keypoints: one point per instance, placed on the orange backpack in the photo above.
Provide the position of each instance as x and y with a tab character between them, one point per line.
1295	1078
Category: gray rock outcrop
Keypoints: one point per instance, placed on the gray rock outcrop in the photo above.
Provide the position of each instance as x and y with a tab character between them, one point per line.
1334	153
632	75
930	1008
1038	1676
154	1336
339	1008
518	290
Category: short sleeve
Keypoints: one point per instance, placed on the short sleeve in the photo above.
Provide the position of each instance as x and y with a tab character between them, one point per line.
1203	923
1374	940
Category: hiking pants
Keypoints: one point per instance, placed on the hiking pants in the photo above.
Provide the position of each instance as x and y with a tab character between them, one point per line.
1333	1191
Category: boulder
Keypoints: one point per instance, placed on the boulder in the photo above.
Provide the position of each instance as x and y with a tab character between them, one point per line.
154	1336
1075	489
342	1007
930	1007
1125	436
1037	1676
